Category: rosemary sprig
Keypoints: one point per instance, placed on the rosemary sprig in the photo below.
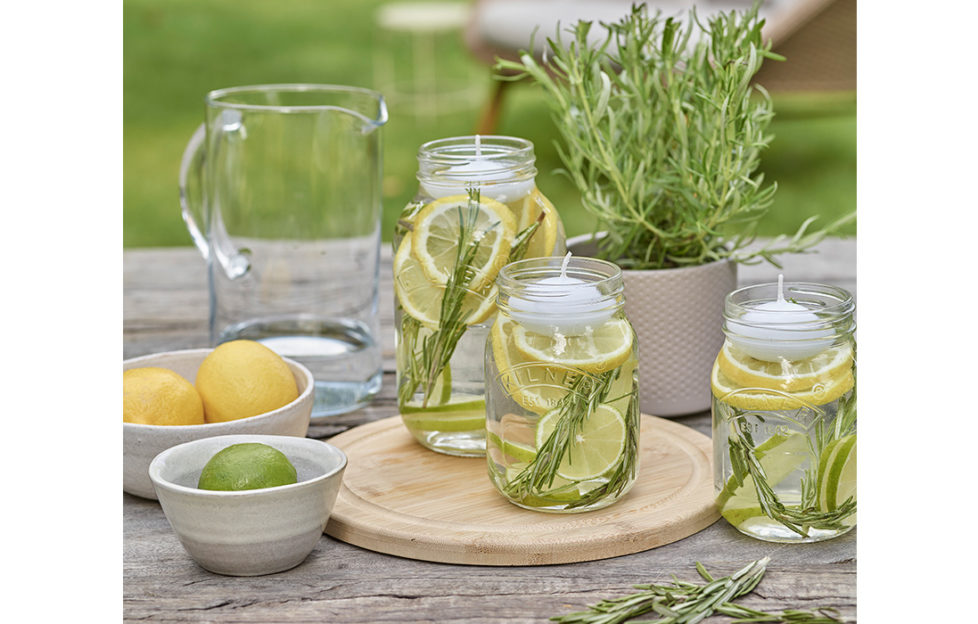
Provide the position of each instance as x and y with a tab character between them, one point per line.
584	394
661	131
428	360
745	462
682	602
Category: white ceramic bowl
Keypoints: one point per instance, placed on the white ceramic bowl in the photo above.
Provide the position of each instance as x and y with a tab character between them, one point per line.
141	443
249	532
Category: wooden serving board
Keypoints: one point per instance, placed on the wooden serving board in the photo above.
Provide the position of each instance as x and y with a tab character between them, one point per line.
400	498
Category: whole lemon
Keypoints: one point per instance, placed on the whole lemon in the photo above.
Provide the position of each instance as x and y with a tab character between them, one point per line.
159	396
247	466
244	378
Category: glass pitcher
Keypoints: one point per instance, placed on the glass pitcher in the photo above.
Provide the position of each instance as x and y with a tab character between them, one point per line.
280	189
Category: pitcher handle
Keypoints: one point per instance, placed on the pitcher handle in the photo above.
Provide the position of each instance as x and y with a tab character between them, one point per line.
192	164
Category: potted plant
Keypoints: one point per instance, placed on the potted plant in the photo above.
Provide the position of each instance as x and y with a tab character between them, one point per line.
661	131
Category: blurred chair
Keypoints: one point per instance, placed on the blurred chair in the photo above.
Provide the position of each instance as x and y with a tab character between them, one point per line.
409	68
818	37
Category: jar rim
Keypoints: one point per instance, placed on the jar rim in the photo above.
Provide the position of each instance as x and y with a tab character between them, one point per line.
596	272
459	149
829	301
498	155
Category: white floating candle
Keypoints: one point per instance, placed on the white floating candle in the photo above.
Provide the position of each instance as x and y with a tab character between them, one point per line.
780	330
560	305
492	176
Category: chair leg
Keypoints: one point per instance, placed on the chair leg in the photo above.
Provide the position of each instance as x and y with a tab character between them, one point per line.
490	116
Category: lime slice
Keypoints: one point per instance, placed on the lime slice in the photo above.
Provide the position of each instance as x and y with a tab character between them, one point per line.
561	492
421	298
753	398
740	368
463	414
837	473
523	453
779	456
598	350
534	386
595	449
738	515
435	238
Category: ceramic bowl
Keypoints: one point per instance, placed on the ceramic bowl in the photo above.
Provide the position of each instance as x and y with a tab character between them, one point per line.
249	532
141	443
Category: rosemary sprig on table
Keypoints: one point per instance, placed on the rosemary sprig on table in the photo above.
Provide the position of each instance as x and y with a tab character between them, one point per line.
682	602
584	394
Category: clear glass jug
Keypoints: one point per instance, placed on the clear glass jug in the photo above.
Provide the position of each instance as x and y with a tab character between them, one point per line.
280	189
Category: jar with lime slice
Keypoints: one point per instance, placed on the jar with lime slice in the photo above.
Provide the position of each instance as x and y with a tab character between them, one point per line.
562	386
784	412
476	210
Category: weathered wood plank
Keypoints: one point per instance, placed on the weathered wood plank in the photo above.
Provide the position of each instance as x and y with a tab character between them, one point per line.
165	308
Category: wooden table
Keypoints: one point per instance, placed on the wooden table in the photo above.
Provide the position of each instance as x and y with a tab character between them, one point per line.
165	308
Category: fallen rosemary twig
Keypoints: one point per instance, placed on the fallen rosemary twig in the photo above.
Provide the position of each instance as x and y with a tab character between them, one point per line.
682	602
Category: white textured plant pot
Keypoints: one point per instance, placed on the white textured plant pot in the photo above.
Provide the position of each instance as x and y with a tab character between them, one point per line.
677	315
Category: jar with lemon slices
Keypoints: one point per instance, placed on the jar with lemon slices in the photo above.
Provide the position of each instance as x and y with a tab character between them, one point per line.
476	210
784	412
562	386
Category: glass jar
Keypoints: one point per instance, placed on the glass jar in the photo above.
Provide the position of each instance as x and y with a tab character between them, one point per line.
562	386
477	209
784	412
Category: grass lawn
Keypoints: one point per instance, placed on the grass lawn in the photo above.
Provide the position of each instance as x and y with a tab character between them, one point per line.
175	52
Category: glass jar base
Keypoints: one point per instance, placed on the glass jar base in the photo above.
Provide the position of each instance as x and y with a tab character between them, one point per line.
768	530
562	508
457	443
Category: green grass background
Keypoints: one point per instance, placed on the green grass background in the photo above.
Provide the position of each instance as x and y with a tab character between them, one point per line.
177	51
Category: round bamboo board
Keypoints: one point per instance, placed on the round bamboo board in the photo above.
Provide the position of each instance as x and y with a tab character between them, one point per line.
402	499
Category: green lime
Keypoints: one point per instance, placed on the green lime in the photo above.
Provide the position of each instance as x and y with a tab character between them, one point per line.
466	413
247	466
561	491
595	449
837	473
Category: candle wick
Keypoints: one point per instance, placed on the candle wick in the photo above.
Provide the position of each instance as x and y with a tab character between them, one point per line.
478	145
781	288
563	265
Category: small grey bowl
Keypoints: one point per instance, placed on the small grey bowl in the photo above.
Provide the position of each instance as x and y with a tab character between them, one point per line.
141	443
249	532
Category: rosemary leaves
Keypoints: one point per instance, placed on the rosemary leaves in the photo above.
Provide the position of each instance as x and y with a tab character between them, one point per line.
682	602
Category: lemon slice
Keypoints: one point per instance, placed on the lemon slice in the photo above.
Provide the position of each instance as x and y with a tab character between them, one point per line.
544	240
753	398
534	386
837	473
597	350
420	298
596	448
435	238
746	371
